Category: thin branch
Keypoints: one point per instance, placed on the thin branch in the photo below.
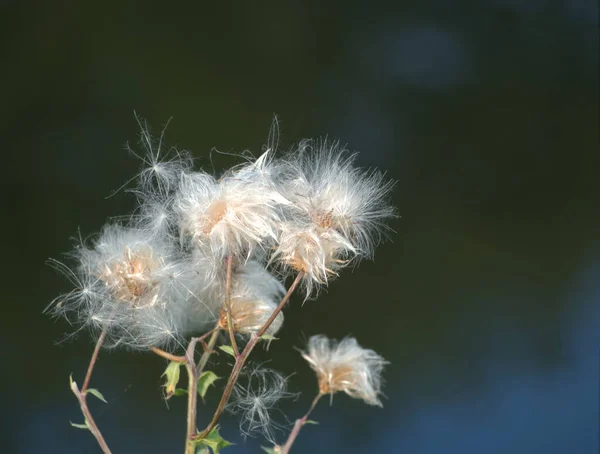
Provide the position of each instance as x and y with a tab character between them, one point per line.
241	360
228	306
192	396
285	449
88	375
82	394
169	356
89	420
209	349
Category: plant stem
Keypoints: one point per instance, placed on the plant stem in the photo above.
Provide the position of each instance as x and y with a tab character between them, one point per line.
242	357
228	306
209	350
169	356
285	449
82	394
192	395
88	375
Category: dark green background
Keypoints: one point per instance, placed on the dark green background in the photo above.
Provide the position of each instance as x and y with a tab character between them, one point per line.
487	299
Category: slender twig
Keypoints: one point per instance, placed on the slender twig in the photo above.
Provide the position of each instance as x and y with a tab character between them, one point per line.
285	449
93	359
209	349
241	360
82	394
228	306
190	365
169	356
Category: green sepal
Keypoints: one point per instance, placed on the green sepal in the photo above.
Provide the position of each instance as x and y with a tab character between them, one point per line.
270	450
227	349
310	421
80	426
206	379
268	337
179	392
172	374
96	393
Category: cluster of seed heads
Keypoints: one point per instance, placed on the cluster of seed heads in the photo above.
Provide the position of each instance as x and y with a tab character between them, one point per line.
160	276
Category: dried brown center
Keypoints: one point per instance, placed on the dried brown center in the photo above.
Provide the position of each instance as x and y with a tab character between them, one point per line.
129	279
335	379
323	219
213	215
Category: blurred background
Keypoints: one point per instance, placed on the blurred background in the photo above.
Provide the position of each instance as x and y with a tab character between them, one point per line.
486	301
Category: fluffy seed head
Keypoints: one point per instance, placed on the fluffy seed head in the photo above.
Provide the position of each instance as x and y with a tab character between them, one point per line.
347	367
337	215
135	287
317	252
337	195
232	215
255	295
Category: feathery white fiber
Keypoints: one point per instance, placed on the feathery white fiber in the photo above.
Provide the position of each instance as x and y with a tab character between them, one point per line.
336	215
317	252
255	295
337	195
161	173
232	215
255	400
135	287
162	276
347	367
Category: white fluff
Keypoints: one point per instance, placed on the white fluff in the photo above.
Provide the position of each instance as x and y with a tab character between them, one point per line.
336	215
255	294
255	400
162	276
317	252
347	367
137	288
232	215
161	172
323	183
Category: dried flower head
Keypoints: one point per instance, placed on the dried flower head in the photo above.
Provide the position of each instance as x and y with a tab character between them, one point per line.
347	367
255	295
337	215
255	398
232	215
135	287
339	196
317	252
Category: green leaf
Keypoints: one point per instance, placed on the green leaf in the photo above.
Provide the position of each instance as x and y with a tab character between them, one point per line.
310	421
95	392
206	379
214	441
172	374
80	426
227	349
